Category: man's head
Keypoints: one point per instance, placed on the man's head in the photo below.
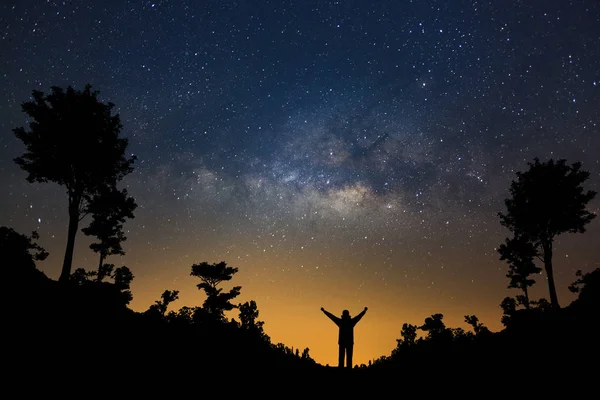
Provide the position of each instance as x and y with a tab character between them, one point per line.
345	314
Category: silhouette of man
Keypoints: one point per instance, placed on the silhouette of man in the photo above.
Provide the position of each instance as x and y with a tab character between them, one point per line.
346	336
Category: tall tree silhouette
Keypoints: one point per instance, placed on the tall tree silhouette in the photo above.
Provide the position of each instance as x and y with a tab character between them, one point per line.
548	200
73	140
212	275
519	253
109	208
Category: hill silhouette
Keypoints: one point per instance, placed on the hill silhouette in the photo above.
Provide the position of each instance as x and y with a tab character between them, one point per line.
84	327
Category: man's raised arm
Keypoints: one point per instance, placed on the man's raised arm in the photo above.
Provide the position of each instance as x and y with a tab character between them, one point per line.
331	316
359	316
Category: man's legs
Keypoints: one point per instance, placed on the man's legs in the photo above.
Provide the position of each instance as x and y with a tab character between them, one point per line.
349	356
341	356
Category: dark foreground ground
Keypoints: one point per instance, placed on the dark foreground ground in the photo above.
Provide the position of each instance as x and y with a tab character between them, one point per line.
71	347
84	375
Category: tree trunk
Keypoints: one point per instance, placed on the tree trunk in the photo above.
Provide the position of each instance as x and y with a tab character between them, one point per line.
101	261
100	277
71	233
548	267
526	297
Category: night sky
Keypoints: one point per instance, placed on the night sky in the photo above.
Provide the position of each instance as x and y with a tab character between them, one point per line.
341	154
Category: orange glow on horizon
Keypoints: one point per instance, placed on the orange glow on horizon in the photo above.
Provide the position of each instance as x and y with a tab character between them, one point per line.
290	305
290	288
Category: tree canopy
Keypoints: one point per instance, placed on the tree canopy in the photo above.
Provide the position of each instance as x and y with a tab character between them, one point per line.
211	275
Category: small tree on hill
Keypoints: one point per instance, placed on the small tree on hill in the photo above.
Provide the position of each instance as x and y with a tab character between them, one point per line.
519	252
122	278
160	307
478	327
435	328
212	275
109	209
509	308
305	354
249	316
408	334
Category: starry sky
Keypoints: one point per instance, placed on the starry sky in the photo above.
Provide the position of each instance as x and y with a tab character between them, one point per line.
341	154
